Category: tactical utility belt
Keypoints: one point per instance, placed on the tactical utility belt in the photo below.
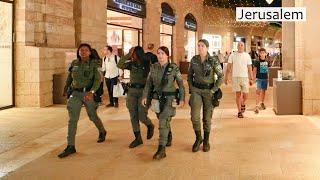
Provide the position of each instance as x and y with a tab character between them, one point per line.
203	86
136	86
81	89
169	93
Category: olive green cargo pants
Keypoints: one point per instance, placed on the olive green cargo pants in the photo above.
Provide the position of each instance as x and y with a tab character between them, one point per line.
201	98
74	105
137	111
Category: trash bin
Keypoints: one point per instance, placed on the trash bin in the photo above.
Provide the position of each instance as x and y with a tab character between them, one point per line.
58	86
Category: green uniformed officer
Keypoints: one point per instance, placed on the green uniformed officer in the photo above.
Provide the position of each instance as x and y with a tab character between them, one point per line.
203	84
161	81
139	67
84	80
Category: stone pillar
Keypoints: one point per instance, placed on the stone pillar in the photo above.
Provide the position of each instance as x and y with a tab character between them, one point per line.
151	24
288	40
307	62
92	25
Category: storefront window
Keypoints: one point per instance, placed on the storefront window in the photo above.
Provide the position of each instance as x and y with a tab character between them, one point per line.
124	26
6	59
190	37
123	31
168	20
166	36
190	45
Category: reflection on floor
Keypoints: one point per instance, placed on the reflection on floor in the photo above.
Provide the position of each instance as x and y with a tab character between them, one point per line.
263	146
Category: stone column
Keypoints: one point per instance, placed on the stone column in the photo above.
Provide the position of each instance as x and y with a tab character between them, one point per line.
92	25
307	62
288	40
151	24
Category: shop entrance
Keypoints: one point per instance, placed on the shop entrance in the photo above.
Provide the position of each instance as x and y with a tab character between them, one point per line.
123	31
6	54
166	37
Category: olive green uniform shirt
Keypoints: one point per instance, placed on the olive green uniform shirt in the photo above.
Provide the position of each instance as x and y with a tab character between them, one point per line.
155	77
83	75
197	71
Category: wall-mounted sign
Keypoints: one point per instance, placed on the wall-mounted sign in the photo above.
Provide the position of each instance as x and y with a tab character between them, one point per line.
131	7
190	22
190	25
168	19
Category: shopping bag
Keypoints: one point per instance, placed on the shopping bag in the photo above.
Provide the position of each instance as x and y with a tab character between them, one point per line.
118	90
155	105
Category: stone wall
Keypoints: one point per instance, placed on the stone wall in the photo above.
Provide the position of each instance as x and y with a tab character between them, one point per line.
45	33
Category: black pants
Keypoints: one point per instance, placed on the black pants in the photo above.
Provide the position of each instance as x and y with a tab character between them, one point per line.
110	83
99	93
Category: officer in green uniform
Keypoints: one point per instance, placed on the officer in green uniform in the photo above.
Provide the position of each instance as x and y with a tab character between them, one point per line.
203	84
139	67
84	80
160	85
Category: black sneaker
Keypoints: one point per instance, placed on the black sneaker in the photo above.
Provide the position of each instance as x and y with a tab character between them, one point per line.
263	107
102	137
67	151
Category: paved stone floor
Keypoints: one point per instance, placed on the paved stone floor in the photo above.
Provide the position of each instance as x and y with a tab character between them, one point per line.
263	146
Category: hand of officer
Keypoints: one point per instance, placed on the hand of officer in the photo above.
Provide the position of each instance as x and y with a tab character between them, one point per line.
88	96
131	51
144	102
64	94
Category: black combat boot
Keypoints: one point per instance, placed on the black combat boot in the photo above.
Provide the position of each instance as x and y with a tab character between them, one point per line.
169	139
150	131
161	153
206	145
102	137
198	142
137	141
67	151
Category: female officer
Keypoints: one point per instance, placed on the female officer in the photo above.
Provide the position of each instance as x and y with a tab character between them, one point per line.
139	67
161	81
202	84
84	80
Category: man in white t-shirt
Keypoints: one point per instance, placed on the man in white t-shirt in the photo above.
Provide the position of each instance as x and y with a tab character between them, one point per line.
112	73
241	65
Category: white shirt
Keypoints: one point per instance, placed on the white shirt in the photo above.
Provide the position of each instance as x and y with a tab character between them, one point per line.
240	62
109	65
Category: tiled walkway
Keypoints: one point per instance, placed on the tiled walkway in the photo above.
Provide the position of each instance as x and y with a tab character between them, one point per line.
263	146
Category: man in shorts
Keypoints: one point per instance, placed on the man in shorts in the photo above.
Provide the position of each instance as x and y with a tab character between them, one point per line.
241	65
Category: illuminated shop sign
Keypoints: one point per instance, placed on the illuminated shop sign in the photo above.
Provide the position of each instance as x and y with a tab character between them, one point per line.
190	25
168	19
131	7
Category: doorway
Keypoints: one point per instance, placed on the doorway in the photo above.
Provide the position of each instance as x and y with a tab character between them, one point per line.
6	54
